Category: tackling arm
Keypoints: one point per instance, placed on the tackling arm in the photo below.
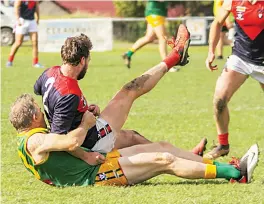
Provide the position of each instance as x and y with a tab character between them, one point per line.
67	142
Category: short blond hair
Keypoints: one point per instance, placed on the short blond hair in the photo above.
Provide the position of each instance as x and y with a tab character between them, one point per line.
22	112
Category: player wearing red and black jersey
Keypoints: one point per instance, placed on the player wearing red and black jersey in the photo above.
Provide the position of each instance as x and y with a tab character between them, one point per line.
25	13
64	102
247	59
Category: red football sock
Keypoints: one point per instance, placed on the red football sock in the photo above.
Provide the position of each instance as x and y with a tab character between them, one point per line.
11	58
172	59
223	139
35	60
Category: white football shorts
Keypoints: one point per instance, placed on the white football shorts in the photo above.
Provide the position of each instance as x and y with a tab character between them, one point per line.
237	64
106	143
28	26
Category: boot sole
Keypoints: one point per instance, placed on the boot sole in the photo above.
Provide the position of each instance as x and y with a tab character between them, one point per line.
185	51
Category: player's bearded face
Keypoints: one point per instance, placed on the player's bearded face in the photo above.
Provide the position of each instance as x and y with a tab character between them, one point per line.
83	71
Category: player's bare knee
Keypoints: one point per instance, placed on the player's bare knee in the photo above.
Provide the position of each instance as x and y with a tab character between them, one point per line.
34	43
220	105
164	158
149	38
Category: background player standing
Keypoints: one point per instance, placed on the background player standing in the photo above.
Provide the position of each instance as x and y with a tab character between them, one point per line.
247	59
25	12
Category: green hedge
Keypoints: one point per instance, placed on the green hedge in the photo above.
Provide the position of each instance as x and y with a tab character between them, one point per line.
132	30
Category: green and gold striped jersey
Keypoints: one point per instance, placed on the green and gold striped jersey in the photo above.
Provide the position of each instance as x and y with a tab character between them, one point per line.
156	8
58	168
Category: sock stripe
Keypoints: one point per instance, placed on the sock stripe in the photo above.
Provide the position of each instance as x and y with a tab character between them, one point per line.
210	171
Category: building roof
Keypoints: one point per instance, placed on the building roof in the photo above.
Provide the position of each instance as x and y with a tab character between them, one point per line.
105	8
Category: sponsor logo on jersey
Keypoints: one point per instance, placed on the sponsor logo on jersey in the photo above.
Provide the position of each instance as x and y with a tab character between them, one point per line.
240	10
260	12
102	176
83	101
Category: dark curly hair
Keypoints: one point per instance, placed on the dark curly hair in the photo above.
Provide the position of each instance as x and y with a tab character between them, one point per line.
75	48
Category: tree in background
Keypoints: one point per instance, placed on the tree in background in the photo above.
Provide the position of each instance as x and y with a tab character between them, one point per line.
136	8
195	8
130	31
130	8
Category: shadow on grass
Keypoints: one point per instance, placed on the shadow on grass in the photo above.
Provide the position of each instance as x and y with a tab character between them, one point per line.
188	182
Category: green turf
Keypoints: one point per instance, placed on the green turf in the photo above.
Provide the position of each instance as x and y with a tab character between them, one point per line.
178	110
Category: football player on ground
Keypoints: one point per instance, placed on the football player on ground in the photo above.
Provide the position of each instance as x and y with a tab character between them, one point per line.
64	103
44	154
247	59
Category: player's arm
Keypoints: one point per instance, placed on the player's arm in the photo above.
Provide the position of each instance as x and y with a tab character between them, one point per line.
39	83
67	142
17	10
37	12
215	30
63	117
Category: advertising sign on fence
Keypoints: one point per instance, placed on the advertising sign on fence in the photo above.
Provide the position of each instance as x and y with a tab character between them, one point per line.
197	28
52	33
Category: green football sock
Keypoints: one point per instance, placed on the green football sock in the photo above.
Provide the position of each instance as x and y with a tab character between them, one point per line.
227	172
216	163
130	53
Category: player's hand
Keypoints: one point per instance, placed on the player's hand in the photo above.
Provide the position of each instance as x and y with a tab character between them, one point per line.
94	158
209	61
88	119
93	108
37	21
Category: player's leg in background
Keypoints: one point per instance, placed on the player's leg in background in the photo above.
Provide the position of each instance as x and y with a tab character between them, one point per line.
18	42
149	37
33	31
227	84
34	40
127	138
161	34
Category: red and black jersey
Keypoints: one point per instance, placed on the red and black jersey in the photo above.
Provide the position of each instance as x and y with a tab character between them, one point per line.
64	103
27	9
249	36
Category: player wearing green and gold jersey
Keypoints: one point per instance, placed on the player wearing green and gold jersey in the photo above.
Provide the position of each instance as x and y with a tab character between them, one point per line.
155	13
69	169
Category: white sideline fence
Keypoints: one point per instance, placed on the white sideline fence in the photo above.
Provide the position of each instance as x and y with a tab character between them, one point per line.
52	33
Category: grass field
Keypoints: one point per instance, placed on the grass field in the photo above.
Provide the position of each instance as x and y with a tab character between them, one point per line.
178	110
